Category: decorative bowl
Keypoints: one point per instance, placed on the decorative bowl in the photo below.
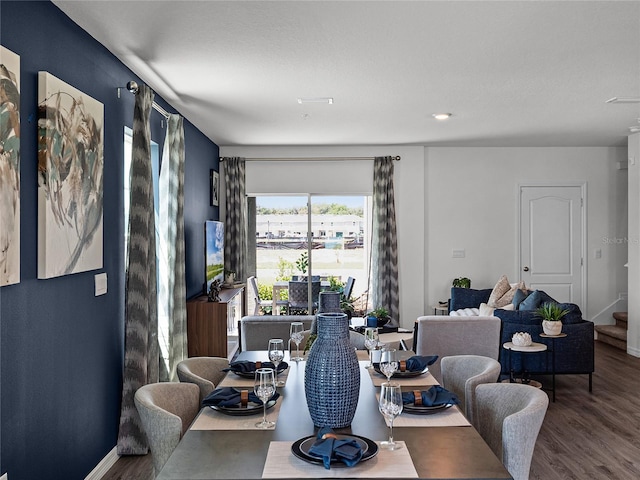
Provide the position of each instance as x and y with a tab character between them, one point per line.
521	339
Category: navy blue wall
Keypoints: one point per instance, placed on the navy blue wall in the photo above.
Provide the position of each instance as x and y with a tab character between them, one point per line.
61	348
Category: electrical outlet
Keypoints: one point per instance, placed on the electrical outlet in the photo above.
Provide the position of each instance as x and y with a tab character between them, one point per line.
100	280
597	253
458	253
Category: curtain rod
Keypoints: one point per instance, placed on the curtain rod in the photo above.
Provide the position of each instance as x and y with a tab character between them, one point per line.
132	86
309	159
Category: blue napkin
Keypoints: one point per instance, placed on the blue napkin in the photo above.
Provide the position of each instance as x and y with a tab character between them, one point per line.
244	366
433	397
230	397
347	450
418	363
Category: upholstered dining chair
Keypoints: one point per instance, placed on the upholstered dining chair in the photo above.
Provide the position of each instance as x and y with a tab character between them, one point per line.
508	417
461	374
206	372
166	411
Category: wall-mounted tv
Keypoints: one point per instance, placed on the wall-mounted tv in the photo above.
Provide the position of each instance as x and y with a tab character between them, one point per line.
214	252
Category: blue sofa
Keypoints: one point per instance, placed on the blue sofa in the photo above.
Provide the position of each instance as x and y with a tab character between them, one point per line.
574	353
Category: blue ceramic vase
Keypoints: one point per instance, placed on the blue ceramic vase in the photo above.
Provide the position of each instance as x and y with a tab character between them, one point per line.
332	374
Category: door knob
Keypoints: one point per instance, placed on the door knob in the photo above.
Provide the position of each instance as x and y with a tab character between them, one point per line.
526	269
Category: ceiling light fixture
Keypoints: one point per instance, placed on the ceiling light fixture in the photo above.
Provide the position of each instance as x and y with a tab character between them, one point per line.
624	100
441	116
328	100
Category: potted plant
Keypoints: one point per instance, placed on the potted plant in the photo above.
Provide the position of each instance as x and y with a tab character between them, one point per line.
303	263
462	282
551	314
379	316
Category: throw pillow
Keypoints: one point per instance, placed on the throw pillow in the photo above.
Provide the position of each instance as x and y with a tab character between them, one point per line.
487	311
535	299
498	291
518	297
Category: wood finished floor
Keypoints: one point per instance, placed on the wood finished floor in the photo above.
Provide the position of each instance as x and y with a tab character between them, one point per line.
584	435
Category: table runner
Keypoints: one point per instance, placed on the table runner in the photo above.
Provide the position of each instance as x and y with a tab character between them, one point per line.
209	419
233	380
281	463
421	381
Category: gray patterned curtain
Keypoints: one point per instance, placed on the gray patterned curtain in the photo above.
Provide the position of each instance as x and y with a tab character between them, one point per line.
171	221
384	249
141	319
235	225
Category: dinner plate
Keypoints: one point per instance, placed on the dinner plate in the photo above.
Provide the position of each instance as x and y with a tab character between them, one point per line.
399	374
424	409
300	449
250	409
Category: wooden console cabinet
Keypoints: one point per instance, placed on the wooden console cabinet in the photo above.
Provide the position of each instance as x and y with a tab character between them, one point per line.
208	322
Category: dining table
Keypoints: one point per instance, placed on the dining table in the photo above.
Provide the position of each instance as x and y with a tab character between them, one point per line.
438	446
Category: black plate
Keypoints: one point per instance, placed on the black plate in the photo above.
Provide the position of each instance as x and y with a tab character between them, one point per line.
251	408
300	449
423	409
399	374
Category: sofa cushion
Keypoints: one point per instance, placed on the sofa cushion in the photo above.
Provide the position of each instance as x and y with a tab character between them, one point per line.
499	290
468	297
534	300
522	317
518	297
574	315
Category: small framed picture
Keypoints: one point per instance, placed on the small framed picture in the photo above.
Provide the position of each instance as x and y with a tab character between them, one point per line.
215	188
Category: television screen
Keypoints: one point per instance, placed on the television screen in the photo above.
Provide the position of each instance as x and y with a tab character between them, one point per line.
214	251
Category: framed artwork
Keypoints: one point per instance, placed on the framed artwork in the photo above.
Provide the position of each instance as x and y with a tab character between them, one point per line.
9	167
70	179
215	188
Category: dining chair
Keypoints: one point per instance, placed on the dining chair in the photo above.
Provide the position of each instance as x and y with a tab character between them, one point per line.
166	410
206	372
461	374
298	296
348	288
508	416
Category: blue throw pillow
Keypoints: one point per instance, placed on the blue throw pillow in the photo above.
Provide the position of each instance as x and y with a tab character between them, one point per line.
518	297
535	299
468	297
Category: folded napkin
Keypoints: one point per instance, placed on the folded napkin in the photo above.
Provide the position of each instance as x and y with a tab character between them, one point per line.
245	366
229	397
347	450
433	397
417	363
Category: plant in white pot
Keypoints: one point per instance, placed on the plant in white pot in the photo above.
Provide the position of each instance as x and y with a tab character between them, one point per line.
551	314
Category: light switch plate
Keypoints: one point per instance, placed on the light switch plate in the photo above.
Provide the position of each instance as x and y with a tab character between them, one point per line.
101	284
460	253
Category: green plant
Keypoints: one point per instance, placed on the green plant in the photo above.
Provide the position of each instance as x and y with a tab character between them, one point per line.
285	269
462	282
379	312
335	285
312	338
552	312
265	291
303	262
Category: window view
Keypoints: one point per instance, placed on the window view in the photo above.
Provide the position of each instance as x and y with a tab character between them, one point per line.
338	244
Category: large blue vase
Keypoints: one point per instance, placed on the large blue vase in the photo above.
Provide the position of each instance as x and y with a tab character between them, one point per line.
332	374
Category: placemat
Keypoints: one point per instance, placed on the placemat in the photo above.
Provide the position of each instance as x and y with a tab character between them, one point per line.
421	381
209	419
451	417
281	463
233	380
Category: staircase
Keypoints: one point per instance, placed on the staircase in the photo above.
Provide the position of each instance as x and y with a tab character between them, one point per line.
615	335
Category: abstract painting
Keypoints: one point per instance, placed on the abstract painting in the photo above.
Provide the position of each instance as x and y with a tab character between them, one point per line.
9	167
70	179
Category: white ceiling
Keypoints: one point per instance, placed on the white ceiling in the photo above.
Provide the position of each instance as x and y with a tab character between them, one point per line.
513	73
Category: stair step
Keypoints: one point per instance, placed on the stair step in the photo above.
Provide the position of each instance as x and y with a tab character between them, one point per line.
612	331
621	319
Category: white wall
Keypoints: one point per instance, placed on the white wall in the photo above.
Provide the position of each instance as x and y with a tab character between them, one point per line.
355	177
633	334
471	204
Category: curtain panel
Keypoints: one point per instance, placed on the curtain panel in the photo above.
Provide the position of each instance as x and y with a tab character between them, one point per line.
384	249
235	228
141	358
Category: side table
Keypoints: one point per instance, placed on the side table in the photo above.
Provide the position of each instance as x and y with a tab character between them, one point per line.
530	349
553	359
440	309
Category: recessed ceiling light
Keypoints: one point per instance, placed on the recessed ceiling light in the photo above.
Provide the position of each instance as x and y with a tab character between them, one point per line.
328	100
624	100
441	116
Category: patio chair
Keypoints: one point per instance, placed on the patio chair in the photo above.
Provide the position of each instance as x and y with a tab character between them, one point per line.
298	297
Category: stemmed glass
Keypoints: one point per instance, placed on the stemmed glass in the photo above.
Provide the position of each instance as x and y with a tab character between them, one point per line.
388	362
296	335
276	355
390	406
264	386
370	342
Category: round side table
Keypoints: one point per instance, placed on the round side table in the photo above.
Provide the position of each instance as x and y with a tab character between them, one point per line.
530	349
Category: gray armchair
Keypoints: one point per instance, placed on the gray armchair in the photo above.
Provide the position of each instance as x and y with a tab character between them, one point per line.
166	411
206	372
509	417
461	374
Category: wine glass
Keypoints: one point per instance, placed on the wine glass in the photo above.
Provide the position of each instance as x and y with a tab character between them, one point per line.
370	342
276	354
390	406
296	336
264	386
388	362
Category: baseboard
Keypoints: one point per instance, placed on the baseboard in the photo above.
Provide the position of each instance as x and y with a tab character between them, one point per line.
105	464
633	351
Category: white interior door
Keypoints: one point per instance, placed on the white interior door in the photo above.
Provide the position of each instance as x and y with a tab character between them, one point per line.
551	240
